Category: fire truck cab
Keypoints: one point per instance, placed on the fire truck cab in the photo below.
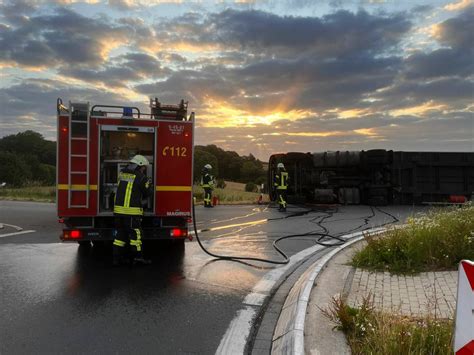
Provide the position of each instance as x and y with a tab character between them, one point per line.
94	142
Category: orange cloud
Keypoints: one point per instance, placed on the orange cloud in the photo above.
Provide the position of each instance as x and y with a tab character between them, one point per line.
460	5
352	113
366	131
11	64
306	134
419	110
222	114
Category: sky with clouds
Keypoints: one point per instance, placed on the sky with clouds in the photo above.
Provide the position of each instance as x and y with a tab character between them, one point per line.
262	76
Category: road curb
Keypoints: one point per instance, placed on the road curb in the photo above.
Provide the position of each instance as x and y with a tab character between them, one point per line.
288	337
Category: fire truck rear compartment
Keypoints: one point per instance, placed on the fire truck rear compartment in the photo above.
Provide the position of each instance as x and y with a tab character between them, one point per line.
117	148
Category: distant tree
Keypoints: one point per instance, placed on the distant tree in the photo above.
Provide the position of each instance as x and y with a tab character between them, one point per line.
46	174
221	183
234	167
15	171
261	180
27	157
30	143
250	171
251	187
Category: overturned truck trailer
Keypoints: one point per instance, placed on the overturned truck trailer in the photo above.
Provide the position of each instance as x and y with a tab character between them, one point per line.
377	177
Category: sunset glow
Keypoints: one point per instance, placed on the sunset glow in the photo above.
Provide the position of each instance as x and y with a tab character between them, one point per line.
259	75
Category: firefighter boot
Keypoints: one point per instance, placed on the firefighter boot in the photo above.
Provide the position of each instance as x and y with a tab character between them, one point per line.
140	260
117	256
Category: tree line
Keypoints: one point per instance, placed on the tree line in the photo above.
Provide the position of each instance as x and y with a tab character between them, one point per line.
28	158
229	165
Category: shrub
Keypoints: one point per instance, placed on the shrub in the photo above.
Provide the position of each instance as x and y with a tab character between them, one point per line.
221	184
46	174
14	170
251	187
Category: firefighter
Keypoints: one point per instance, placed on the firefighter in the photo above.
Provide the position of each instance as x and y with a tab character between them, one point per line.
133	186
207	183
280	182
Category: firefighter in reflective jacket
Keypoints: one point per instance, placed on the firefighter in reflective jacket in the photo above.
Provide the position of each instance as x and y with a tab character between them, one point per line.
207	183
133	186
280	182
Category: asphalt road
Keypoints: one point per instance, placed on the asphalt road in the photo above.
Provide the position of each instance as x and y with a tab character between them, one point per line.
57	298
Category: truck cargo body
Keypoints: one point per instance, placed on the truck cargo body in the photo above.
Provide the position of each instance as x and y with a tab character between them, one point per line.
377	177
93	146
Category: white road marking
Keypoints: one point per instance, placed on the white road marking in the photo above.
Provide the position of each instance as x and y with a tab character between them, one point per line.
233	337
16	233
11	225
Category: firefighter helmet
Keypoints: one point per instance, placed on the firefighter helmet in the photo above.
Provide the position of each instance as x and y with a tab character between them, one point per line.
280	166
140	160
208	166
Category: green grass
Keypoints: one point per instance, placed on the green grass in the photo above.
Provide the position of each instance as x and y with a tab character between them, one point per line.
438	240
30	193
232	194
372	332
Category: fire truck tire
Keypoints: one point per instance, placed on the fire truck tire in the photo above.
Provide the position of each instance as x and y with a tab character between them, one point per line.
177	245
99	244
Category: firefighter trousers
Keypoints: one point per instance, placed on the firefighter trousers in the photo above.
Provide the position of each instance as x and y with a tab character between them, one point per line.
281	196
129	233
207	197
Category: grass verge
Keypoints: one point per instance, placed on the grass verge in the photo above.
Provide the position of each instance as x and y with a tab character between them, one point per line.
372	332
30	193
233	194
435	241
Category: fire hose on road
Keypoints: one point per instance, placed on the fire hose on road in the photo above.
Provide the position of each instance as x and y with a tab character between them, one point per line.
319	238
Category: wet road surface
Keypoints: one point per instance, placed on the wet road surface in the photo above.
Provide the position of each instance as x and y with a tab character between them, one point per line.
59	298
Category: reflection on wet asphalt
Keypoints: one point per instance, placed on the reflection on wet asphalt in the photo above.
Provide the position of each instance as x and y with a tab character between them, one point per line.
59	298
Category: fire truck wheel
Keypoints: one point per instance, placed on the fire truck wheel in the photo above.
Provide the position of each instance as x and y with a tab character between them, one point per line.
98	244
178	244
175	245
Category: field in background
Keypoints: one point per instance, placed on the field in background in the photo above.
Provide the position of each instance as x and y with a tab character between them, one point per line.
31	193
233	193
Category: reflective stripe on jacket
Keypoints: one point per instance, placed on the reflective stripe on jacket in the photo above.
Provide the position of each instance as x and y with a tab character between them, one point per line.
207	181
280	180
132	187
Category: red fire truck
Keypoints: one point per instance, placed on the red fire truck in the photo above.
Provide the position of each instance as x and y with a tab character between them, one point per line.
94	142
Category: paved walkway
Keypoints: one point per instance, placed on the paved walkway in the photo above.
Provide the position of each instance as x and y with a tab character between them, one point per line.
432	293
426	293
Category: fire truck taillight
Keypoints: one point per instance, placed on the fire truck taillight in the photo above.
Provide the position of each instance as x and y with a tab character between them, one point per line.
64	129
178	233
74	234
